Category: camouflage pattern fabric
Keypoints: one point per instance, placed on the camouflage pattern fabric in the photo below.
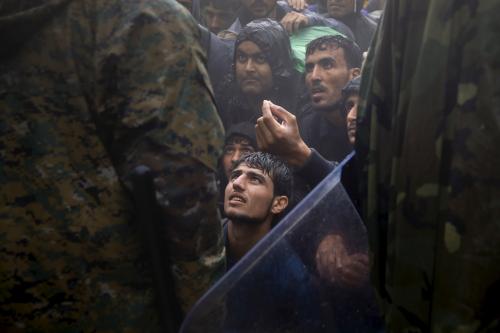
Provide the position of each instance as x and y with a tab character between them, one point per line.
88	91
428	136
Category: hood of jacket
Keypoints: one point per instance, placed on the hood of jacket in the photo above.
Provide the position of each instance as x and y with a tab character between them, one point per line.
273	41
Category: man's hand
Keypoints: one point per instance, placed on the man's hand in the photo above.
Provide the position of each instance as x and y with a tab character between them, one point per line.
336	266
293	21
277	133
298	5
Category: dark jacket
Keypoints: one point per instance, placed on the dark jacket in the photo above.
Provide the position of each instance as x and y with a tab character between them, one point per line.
330	141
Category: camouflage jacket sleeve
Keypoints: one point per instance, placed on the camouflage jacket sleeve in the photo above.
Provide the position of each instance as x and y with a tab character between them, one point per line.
428	124
156	109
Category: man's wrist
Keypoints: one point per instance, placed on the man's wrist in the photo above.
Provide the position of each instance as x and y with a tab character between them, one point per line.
301	156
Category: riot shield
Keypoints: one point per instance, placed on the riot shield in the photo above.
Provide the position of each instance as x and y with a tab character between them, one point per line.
309	274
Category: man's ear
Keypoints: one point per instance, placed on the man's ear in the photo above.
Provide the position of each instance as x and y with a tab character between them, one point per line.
356	71
279	204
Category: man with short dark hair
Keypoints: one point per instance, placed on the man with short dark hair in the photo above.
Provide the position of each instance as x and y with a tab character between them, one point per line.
217	15
257	194
258	191
331	62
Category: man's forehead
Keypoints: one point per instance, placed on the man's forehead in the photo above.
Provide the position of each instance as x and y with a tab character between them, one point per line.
237	139
248	47
243	167
326	51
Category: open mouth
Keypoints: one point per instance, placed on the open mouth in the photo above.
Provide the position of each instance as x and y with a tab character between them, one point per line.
316	93
317	90
236	198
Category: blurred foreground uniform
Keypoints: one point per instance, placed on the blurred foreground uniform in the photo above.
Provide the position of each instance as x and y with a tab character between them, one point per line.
428	138
88	91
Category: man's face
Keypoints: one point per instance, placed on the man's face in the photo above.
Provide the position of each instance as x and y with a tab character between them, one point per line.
259	8
249	195
217	19
340	8
253	73
233	150
326	74
351	106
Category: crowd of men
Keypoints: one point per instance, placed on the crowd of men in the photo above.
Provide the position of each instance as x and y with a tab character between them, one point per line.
225	114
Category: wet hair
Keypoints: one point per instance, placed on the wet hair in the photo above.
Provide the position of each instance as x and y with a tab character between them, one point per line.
272	166
352	52
244	130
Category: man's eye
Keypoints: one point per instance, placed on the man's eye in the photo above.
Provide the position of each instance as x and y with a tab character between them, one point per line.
309	68
256	180
260	59
328	65
247	151
228	150
241	58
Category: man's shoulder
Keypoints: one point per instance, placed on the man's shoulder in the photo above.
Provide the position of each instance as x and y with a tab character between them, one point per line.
307	116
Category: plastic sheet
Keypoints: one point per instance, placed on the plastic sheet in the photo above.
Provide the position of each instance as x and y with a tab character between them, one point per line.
277	286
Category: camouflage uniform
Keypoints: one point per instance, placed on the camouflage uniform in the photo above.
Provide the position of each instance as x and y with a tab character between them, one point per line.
428	137
89	90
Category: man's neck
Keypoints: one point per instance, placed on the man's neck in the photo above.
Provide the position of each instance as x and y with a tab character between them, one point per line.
254	103
243	236
334	117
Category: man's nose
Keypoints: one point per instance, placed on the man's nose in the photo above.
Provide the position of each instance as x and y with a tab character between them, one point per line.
236	156
250	65
238	183
316	73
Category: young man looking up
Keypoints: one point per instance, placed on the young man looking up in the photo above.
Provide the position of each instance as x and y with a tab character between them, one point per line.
257	193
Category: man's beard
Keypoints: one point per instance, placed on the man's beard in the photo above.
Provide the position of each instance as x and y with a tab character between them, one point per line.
245	219
331	108
248	220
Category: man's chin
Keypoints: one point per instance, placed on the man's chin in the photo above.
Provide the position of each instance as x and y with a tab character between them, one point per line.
326	107
243	218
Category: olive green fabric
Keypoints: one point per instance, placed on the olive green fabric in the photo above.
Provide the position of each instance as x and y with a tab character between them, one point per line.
428	137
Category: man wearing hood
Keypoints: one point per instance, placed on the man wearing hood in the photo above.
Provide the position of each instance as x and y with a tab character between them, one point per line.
89	91
349	13
262	69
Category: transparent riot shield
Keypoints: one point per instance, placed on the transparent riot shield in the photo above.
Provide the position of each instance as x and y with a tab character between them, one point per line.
309	274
